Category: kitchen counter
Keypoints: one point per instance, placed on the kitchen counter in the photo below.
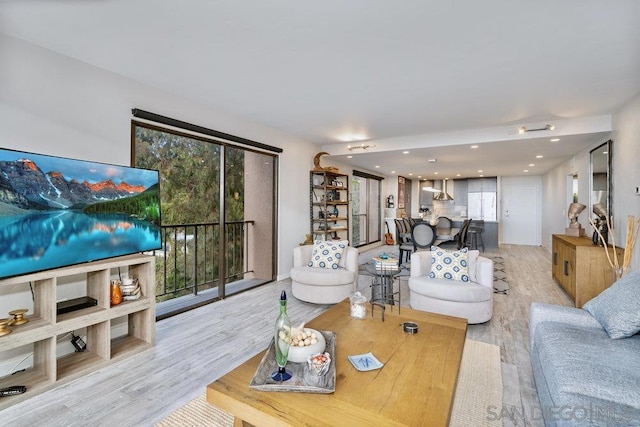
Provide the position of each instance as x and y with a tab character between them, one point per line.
489	236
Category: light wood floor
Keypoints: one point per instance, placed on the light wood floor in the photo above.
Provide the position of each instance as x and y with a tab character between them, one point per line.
199	346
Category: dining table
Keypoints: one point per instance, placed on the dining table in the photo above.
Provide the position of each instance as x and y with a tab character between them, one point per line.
446	234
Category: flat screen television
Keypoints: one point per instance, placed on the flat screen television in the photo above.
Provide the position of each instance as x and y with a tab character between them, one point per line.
56	212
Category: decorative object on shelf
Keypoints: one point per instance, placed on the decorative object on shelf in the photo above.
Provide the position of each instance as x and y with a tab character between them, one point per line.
632	232
4	330
116	292
18	317
318	168
282	340
130	289
600	225
575	228
401	189
308	240
335	211
390	203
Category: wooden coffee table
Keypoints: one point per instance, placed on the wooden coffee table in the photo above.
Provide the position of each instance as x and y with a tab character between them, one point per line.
415	386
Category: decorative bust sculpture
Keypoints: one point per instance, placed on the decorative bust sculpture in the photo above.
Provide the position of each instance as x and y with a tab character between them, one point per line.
574	211
575	229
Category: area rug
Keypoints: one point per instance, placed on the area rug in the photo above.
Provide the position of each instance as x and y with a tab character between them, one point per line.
500	282
478	394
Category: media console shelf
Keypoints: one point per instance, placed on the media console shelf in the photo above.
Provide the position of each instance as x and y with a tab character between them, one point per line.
45	326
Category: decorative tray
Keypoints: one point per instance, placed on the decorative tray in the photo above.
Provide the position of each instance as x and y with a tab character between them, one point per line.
302	380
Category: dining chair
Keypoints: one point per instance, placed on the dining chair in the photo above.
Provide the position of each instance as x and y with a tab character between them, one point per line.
444	222
403	237
423	235
460	240
476	228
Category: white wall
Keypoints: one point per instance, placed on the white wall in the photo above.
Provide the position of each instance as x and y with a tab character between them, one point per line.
556	195
626	171
626	176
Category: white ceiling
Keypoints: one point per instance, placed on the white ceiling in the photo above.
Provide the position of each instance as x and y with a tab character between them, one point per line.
395	72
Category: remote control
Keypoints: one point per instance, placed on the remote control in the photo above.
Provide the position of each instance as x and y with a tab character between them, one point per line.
10	391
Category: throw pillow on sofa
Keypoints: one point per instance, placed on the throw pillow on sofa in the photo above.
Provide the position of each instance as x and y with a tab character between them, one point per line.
451	265
328	254
617	308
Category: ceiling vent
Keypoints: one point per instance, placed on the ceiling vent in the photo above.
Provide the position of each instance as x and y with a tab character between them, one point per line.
443	195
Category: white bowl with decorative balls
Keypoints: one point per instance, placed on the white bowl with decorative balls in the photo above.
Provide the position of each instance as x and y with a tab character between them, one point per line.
304	343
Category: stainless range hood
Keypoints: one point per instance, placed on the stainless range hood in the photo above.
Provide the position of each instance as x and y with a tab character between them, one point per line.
443	195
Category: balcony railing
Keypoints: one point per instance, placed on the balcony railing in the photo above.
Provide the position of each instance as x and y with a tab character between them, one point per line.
189	261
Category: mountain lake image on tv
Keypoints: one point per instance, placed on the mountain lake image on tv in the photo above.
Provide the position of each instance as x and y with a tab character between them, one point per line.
56	212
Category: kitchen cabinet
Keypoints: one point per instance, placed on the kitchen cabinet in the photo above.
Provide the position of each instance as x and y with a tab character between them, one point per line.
482	198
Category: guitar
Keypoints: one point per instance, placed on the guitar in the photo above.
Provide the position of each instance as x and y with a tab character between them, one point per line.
388	238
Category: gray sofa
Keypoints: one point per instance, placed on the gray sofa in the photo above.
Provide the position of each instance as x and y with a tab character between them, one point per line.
584	376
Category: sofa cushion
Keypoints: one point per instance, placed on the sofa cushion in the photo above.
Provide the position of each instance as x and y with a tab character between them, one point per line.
616	308
322	276
451	265
450	290
328	254
583	366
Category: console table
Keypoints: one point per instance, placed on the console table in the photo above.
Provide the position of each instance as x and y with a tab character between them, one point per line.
580	267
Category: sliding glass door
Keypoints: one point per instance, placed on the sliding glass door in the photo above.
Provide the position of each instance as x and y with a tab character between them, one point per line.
365	208
218	214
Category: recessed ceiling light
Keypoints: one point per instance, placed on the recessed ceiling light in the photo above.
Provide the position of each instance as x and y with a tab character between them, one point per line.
377	166
410	174
555	140
436	173
480	175
393	171
531	165
432	160
349	157
605	152
405	152
525	170
479	170
457	174
419	176
539	156
474	146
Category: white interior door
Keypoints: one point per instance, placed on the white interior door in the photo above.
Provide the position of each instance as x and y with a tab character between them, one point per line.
520	219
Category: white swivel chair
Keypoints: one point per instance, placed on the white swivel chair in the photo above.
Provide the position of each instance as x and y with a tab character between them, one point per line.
472	300
322	285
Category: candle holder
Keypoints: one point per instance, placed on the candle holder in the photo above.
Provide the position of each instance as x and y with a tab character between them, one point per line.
4	330
18	317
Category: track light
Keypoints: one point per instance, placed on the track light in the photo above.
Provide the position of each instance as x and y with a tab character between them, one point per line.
361	146
523	129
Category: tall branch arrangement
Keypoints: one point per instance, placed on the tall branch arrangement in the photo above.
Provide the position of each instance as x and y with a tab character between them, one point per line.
632	232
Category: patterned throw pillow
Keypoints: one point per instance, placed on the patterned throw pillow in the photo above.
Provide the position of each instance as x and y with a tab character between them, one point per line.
452	265
327	254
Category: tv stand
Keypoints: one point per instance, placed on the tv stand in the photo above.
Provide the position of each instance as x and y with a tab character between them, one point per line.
45	325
